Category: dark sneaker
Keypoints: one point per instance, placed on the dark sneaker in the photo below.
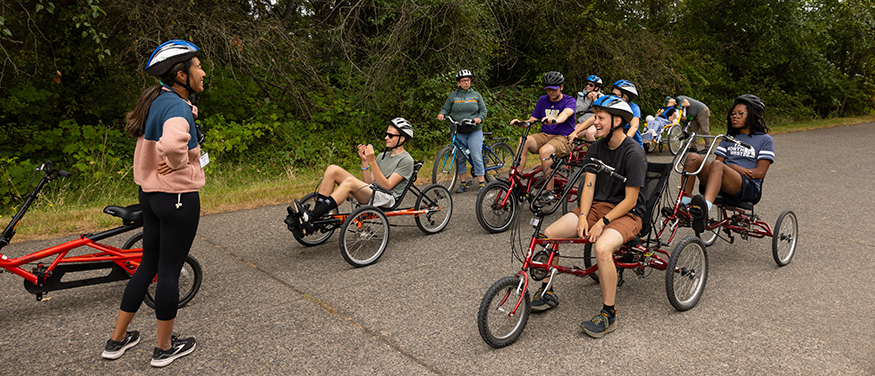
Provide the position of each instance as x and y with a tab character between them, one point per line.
293	220
699	212
600	325
178	349
544	300
463	187
549	197
115	349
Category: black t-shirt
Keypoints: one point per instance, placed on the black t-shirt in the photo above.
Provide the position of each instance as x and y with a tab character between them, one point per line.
627	160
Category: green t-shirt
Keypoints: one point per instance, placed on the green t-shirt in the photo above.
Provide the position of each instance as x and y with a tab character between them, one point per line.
465	104
402	164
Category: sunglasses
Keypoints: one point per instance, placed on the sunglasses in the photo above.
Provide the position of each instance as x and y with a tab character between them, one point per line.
391	136
737	114
590	84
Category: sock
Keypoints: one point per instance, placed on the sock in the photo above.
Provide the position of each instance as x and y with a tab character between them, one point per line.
321	198
544	286
610	310
709	205
686	200
323	207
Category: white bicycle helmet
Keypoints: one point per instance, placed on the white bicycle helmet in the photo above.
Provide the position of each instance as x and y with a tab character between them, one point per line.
403	126
463	73
169	53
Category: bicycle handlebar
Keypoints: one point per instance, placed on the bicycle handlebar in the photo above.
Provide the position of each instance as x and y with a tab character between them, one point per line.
50	174
603	167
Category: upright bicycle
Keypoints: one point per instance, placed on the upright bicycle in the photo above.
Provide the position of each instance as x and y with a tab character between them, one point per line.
69	269
496	158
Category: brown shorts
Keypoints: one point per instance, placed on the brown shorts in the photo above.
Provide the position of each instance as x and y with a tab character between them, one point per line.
628	225
559	142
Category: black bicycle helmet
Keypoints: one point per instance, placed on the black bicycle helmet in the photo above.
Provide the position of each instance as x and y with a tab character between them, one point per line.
553	79
168	54
628	88
463	73
615	106
754	103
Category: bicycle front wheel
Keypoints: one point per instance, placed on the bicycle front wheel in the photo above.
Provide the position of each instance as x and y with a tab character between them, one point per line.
364	236
497	322
687	273
318	235
496	207
497	161
444	171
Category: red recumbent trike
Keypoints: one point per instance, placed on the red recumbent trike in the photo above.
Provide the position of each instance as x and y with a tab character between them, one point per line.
730	219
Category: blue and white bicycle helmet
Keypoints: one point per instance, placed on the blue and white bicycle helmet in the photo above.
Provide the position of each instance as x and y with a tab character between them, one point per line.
615	106
595	80
168	54
628	88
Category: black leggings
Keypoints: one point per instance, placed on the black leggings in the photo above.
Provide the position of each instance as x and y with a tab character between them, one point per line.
168	232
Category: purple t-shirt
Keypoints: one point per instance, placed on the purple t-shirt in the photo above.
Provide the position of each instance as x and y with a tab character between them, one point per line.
546	107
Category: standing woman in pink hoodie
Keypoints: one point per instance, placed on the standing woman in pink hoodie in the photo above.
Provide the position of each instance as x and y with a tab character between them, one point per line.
168	169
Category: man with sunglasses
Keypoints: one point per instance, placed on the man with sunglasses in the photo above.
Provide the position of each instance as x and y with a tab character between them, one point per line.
390	170
586	98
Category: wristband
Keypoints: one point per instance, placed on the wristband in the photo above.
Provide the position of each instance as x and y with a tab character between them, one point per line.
606	221
365	168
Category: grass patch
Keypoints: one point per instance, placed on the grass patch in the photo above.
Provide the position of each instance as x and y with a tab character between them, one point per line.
61	211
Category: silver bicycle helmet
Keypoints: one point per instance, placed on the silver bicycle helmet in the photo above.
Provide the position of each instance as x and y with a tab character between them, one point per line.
169	53
463	73
628	88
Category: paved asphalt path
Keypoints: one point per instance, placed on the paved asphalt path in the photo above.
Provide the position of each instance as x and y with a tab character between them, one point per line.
271	306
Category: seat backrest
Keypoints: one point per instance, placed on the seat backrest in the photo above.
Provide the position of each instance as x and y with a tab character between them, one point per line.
416	166
654	184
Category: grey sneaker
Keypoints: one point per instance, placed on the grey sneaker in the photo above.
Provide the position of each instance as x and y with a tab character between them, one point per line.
599	325
463	187
544	300
178	349
115	349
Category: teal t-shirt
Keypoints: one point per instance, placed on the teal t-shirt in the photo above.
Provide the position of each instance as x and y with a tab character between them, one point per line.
465	104
402	164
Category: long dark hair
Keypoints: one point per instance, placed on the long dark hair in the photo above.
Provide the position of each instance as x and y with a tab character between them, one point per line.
135	121
756	113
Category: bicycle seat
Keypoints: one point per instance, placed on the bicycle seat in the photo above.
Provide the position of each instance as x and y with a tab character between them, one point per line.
748	205
487	134
131	213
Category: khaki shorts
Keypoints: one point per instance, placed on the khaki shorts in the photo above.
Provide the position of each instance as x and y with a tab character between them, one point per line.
559	142
383	199
628	225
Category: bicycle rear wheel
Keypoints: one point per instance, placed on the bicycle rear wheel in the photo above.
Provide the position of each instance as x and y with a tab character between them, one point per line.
497	161
190	277
436	199
444	171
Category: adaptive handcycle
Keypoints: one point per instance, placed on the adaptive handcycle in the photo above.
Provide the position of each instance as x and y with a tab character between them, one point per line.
108	264
504	309
364	232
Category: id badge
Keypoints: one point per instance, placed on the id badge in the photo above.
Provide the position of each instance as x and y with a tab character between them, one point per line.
205	159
